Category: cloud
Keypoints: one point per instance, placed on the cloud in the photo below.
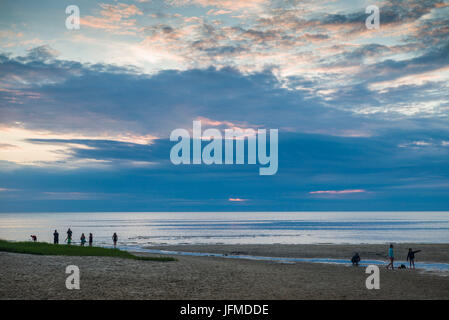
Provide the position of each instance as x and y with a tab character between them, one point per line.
416	144
236	200
42	53
416	79
338	191
32	147
218	12
356	109
253	5
114	18
7	190
103	102
123	101
393	178
323	43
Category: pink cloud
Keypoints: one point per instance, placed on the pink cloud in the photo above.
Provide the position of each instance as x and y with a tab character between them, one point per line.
215	123
218	12
224	4
236	200
114	18
225	124
338	191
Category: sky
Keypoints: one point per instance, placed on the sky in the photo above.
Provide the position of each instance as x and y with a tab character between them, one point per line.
86	114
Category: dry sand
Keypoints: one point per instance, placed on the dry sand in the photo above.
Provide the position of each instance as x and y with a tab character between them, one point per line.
43	277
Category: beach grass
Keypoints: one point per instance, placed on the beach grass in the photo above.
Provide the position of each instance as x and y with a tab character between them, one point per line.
43	248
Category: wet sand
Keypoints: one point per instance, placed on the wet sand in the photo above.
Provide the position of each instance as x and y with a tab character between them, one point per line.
429	252
43	277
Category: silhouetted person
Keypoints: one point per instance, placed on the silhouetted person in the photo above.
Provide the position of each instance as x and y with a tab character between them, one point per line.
69	236
355	259
411	257
56	237
91	239
83	239
391	257
115	238
34	238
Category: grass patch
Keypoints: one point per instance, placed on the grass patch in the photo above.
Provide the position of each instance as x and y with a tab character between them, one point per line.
47	249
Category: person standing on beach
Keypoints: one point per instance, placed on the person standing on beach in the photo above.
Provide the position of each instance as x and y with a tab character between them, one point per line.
56	237
91	239
391	257
69	237
355	259
115	238
411	257
83	239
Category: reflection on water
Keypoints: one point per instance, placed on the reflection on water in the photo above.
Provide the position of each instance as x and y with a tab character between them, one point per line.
161	228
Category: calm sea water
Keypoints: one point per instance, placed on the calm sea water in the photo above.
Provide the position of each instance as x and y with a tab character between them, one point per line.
164	228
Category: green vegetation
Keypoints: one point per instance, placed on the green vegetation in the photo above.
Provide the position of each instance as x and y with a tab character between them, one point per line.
43	248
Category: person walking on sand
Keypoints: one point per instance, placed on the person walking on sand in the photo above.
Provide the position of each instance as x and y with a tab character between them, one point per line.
69	237
56	237
391	257
91	239
83	239
411	257
115	238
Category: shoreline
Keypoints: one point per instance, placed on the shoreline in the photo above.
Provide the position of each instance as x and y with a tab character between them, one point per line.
431	252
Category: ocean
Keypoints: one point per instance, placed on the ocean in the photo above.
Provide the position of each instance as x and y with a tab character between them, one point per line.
140	229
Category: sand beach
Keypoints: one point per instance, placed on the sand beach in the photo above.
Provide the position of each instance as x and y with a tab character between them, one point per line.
24	276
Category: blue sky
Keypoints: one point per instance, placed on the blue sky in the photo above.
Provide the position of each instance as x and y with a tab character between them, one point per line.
86	115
